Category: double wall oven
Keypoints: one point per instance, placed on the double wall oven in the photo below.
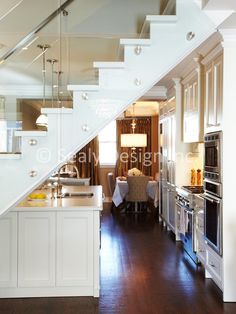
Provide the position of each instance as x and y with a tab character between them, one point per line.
213	190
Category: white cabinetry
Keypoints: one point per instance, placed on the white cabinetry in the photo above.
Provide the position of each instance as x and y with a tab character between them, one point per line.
8	250
213	90
53	253
213	266
36	249
193	123
75	251
167	165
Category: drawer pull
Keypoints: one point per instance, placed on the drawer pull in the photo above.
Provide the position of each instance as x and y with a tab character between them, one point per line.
212	265
201	251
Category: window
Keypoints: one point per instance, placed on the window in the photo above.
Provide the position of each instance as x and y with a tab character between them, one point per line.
107	145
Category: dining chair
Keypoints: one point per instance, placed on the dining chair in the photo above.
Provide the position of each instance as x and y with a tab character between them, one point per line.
111	182
137	195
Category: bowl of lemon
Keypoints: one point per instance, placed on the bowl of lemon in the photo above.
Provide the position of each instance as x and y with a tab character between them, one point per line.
37	196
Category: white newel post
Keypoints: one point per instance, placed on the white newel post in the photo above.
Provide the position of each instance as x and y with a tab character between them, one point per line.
229	169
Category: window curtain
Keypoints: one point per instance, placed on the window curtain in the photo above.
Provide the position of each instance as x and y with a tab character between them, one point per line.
140	157
87	161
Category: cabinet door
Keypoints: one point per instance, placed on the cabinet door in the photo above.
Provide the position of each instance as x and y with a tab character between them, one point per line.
8	250
214	95
36	249
218	89
74	249
192	111
209	100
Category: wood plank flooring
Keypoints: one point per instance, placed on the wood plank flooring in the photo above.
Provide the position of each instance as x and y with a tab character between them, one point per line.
143	271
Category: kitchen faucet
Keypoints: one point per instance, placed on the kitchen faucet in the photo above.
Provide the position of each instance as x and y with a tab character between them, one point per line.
59	185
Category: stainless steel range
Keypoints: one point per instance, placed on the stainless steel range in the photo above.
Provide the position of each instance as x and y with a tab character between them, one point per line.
185	203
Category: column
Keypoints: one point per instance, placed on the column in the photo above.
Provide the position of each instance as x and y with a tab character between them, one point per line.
229	169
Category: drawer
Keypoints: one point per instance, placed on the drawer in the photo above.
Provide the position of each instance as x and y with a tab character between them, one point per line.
214	265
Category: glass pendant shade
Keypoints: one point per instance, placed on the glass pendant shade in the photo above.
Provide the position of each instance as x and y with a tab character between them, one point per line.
42	120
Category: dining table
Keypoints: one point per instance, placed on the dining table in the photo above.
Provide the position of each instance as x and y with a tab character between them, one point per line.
122	189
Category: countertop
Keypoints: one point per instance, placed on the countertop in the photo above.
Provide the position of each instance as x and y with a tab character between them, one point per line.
59	204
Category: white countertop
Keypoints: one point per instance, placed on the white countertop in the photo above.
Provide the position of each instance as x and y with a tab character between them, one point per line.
59	204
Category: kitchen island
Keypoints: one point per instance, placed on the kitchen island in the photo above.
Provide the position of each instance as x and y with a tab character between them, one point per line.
51	247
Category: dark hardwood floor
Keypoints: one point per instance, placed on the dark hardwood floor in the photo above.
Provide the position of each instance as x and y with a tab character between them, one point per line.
142	272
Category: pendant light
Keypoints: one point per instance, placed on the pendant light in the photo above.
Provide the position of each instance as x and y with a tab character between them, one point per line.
133	139
42	120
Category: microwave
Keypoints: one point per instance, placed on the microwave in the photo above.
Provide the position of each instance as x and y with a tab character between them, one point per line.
212	156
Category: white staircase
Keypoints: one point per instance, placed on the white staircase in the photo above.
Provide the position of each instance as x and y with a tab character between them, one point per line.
145	62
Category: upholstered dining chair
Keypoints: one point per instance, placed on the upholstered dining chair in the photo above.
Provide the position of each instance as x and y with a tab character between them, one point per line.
111	182
137	194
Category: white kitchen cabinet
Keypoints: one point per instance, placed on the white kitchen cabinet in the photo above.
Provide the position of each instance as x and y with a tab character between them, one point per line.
36	249
8	250
74	249
214	266
193	120
214	94
167	164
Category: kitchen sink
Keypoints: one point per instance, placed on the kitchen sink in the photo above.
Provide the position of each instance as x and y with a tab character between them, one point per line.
77	194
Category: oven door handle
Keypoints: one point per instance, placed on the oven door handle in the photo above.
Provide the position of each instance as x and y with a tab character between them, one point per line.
212	200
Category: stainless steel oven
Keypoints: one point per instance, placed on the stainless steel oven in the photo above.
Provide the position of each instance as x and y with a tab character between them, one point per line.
212	158
213	188
213	221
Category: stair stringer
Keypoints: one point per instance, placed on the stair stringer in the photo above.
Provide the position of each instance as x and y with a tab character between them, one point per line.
95	106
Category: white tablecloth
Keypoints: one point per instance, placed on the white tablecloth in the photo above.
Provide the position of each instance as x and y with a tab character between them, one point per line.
121	189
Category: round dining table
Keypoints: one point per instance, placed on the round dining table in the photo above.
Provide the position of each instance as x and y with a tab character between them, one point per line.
121	189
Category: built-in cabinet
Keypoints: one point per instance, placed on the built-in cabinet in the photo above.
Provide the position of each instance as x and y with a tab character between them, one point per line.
36	257
213	266
167	165
49	253
8	250
213	73
75	253
193	107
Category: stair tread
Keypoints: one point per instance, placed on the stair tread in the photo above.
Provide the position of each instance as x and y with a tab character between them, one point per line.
112	65
57	110
4	155
30	133
135	41
168	19
83	87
